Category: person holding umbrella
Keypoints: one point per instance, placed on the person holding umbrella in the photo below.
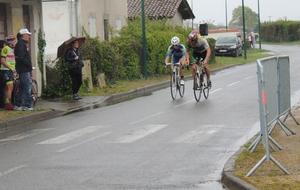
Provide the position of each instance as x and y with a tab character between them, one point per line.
74	62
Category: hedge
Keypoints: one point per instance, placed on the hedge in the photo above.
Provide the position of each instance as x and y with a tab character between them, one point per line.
280	31
119	58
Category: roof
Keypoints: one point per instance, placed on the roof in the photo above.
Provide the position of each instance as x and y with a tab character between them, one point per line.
157	9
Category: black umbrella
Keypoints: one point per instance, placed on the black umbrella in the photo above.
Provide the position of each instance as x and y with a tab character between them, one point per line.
68	44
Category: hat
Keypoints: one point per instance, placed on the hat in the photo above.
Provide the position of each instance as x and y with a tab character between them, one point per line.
24	31
10	38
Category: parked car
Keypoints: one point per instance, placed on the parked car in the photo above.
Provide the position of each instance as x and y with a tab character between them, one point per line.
229	45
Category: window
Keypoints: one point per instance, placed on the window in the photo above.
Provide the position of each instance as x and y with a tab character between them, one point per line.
106	29
92	27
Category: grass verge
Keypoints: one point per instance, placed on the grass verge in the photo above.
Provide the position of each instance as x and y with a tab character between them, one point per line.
269	177
7	115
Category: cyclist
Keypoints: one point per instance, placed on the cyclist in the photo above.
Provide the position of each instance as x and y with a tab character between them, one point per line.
8	69
176	53
201	50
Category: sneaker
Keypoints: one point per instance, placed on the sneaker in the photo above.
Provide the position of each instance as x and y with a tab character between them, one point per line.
28	109
181	82
76	97
9	106
17	108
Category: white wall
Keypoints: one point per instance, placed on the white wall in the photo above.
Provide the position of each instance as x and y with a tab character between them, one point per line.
56	20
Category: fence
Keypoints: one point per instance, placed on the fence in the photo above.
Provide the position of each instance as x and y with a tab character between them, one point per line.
273	76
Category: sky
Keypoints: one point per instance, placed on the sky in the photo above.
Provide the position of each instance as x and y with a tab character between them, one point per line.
214	10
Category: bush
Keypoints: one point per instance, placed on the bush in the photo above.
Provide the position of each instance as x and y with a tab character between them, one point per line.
120	57
58	81
280	31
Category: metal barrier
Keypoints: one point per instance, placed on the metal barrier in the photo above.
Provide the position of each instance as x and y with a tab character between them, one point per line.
273	76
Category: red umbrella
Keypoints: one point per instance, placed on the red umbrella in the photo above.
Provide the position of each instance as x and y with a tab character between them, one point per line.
68	44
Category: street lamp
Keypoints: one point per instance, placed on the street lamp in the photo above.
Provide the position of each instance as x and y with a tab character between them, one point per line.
244	30
144	40
226	15
259	31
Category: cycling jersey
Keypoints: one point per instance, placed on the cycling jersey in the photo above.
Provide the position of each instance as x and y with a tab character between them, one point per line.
8	53
176	53
199	45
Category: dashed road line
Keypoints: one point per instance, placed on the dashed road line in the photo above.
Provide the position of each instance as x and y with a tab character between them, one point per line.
249	77
24	135
12	170
146	118
233	84
71	136
140	133
83	142
217	90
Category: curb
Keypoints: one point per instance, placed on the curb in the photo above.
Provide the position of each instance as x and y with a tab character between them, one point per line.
29	119
229	180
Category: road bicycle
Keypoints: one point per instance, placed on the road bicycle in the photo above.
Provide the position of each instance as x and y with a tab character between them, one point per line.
16	91
175	85
200	81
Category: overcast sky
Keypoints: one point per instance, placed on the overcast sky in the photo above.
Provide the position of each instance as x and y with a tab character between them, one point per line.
214	10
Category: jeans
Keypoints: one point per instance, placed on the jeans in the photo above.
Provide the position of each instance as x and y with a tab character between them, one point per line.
25	89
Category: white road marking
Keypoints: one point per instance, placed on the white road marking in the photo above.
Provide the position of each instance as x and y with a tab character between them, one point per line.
140	133
146	118
11	170
198	135
83	142
71	136
234	83
24	135
249	77
217	90
190	137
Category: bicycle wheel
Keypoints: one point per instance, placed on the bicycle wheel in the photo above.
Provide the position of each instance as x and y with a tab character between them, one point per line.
205	87
34	92
181	88
197	87
173	86
16	96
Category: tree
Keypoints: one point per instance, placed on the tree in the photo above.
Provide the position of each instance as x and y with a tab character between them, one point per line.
250	18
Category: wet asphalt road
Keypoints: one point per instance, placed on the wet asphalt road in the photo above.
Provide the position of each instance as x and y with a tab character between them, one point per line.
147	143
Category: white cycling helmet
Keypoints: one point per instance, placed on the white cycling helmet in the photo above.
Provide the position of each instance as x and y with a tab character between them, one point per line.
175	41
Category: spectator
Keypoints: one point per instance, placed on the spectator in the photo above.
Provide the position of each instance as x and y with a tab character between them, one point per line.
8	69
75	64
250	41
24	69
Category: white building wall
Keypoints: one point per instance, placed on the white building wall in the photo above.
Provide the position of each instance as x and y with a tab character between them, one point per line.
56	26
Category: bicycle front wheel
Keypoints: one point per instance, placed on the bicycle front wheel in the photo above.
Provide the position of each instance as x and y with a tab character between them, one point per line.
206	88
173	86
181	88
34	92
197	87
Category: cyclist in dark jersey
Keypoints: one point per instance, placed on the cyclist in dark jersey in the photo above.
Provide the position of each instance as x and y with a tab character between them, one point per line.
200	51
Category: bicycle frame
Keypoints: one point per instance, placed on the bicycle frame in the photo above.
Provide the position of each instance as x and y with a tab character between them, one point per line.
175	85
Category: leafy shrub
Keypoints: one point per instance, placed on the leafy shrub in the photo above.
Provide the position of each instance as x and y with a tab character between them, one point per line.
280	31
119	58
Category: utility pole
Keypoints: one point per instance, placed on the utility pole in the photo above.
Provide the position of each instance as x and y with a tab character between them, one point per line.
226	16
244	30
144	40
192	5
259	31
